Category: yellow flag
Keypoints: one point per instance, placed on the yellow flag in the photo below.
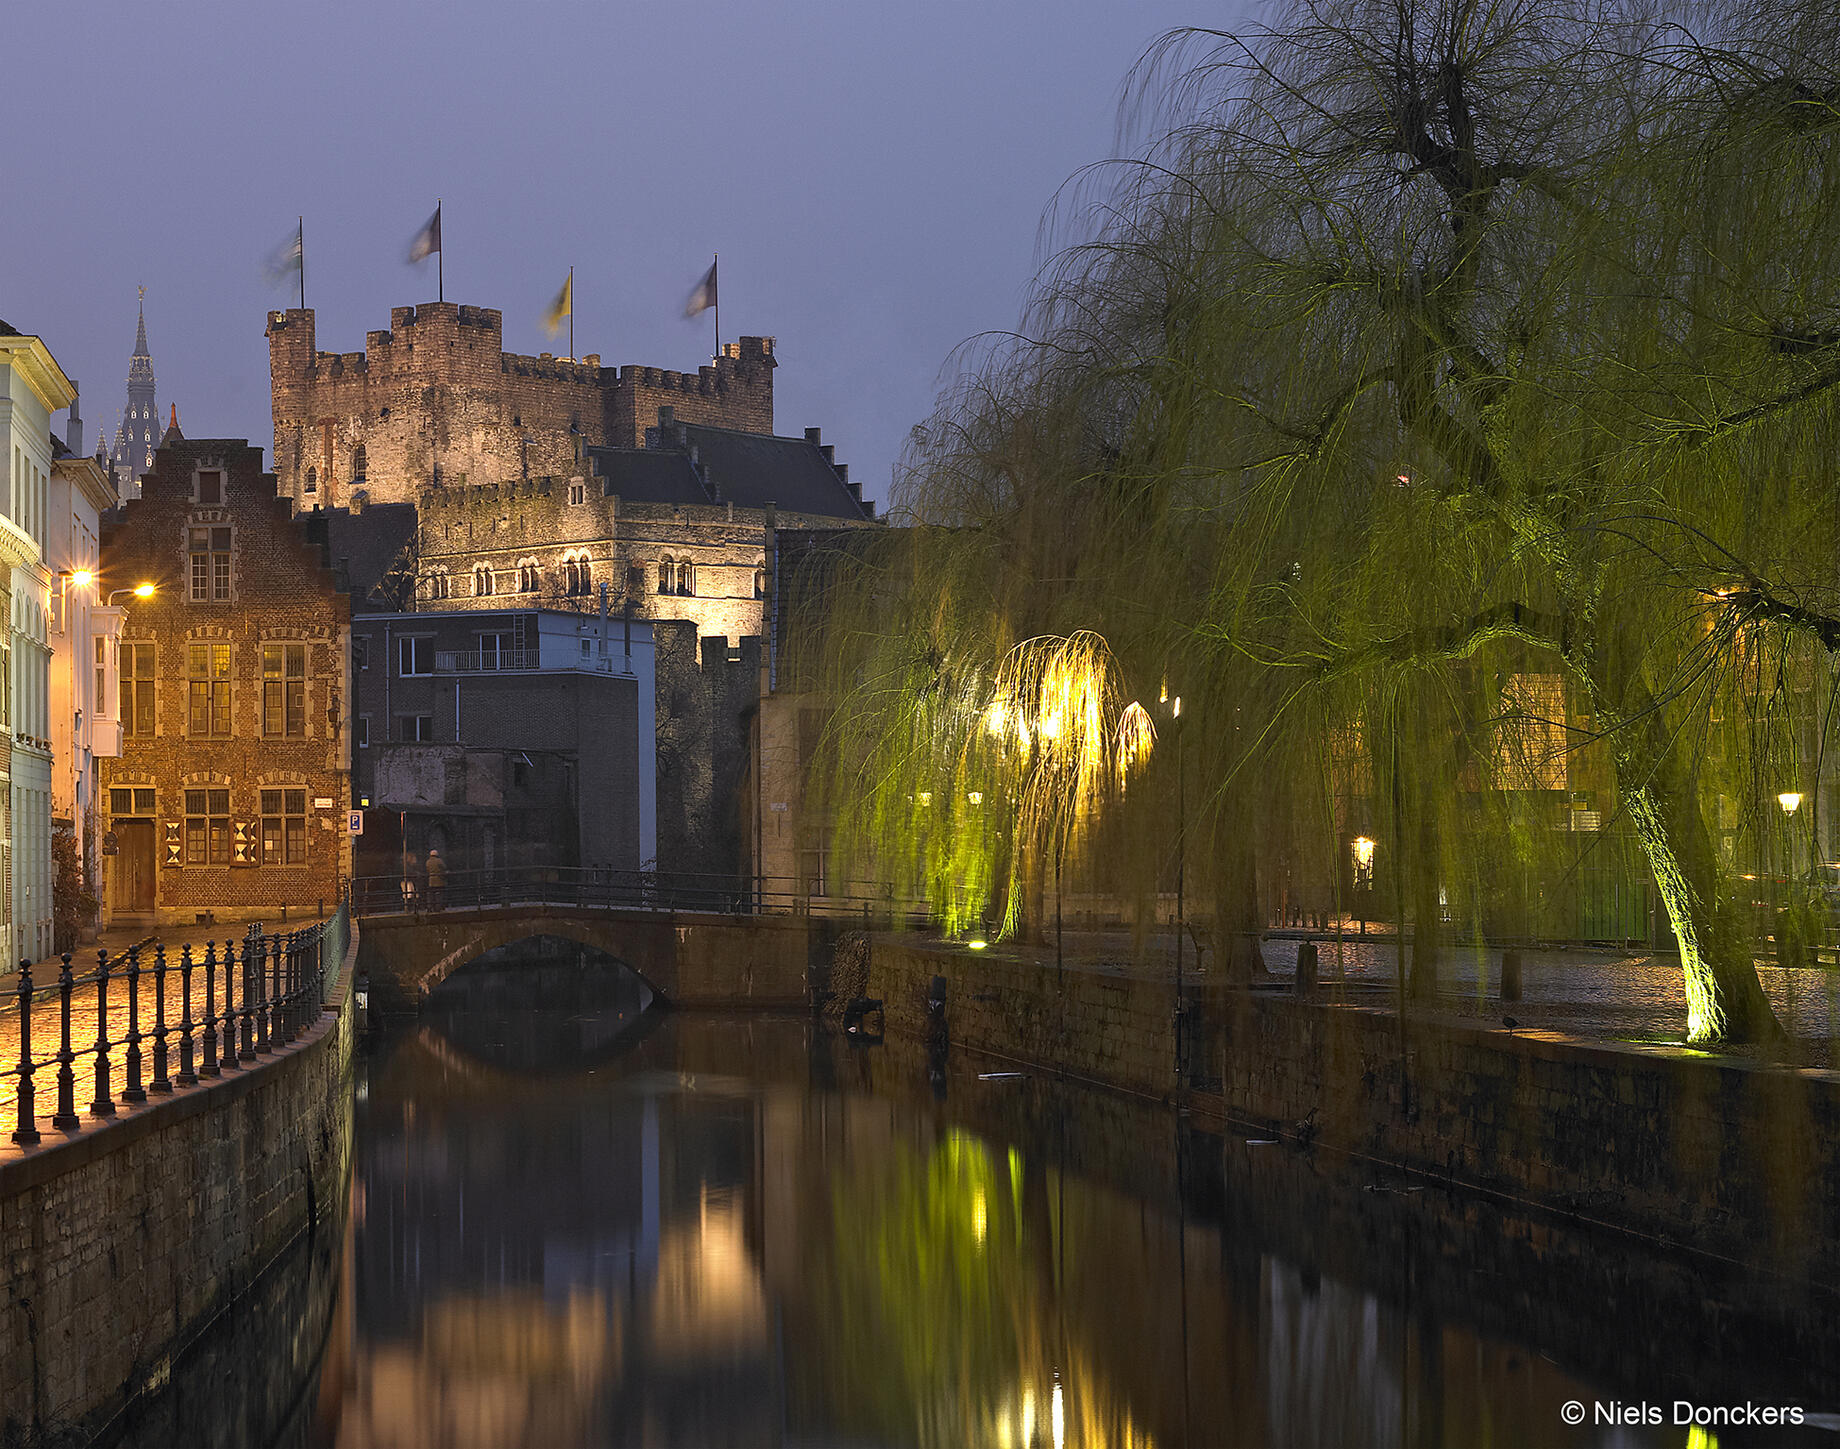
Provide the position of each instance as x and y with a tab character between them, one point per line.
563	306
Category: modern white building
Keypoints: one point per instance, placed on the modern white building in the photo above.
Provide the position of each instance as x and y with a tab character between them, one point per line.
85	723
32	388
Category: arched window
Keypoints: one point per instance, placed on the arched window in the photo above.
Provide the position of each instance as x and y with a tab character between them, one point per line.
482	581
527	576
436	585
585	571
312	480
357	464
760	579
686	578
667	576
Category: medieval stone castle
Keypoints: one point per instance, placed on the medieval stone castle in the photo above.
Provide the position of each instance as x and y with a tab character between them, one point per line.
556	480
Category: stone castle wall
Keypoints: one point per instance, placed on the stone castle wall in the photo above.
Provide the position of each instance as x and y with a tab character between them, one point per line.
436	397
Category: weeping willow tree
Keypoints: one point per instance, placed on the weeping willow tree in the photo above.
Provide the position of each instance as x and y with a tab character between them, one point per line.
1427	351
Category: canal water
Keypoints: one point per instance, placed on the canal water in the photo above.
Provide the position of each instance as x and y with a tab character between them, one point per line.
576	1221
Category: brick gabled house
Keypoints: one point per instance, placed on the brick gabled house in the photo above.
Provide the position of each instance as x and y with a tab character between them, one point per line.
230	793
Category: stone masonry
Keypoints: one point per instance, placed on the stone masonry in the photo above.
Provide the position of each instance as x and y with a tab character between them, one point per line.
436	400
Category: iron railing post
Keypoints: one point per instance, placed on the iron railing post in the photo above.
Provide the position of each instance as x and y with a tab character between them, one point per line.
208	1067
188	1076
132	1090
26	1133
161	1082
65	1118
227	1027
104	1103
248	1052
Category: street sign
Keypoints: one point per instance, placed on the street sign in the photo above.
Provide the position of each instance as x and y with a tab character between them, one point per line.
322	802
354	823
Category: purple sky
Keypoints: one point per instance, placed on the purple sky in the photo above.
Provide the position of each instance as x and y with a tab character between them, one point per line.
873	176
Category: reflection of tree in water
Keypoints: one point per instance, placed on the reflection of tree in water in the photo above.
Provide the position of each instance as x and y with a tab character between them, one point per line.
942	1293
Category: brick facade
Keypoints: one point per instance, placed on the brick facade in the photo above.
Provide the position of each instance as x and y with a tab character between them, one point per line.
437	400
234	695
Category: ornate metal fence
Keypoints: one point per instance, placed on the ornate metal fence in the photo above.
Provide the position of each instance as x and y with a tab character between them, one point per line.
236	1004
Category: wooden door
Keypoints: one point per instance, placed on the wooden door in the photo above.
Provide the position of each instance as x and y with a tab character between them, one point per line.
134	866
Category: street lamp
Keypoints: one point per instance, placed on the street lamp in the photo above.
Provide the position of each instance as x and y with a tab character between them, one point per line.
140	591
1790	800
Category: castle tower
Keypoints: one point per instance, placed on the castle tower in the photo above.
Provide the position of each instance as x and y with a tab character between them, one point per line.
139	433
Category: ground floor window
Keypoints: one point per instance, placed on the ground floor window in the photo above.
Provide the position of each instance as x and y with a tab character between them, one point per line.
207	827
284	827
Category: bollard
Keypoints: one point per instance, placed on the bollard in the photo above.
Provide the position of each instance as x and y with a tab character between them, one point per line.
1510	975
209	1067
26	1133
65	1118
104	1104
161	1082
187	1077
1306	968
132	1090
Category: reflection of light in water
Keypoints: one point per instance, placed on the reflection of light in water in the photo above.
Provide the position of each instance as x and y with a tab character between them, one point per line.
1698	1438
1058	1416
708	1295
1028	1416
980	1215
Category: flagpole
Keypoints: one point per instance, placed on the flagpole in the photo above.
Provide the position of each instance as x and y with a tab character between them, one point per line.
440	266
716	267
300	240
571	314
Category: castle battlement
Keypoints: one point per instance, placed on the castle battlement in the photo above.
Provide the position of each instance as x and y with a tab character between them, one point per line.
436	398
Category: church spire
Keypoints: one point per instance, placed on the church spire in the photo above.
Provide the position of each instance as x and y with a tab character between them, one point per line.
137	437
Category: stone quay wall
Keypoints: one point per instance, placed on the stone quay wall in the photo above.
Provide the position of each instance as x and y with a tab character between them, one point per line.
1735	1159
119	1245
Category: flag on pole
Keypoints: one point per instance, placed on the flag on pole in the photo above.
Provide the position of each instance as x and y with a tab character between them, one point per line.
285	260
703	294
428	239
563	306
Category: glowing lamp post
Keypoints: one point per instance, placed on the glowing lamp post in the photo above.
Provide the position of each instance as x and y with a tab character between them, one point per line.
1361	851
1790	800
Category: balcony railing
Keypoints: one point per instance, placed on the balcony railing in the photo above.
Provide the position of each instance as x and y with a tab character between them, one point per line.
484	661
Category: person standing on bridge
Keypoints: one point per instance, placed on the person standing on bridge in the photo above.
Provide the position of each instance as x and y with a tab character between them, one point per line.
437	880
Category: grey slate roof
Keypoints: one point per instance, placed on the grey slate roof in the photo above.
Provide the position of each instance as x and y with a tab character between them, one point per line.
366	543
720	465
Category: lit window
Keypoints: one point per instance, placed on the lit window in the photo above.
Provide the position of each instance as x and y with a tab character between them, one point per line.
284	690
207	827
284	827
209	549
208	675
137	690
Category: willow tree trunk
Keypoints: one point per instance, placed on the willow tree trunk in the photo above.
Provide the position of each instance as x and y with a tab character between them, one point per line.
1725	1001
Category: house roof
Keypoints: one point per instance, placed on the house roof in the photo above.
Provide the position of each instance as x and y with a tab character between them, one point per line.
721	465
365	544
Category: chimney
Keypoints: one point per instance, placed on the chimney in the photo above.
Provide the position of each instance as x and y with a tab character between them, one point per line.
73	435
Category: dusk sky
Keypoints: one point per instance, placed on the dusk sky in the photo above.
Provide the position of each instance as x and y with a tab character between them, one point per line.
873	176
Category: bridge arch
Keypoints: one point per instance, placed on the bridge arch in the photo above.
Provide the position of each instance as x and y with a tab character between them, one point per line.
685	958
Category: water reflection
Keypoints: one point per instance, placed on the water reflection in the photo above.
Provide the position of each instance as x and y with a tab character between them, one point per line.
727	1232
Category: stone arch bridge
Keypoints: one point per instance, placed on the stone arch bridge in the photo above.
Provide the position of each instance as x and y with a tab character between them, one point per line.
690	959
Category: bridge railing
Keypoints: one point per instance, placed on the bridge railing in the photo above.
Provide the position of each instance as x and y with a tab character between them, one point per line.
212	1011
624	890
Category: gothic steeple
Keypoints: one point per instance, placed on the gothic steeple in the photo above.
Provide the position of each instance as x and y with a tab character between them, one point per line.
138	434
